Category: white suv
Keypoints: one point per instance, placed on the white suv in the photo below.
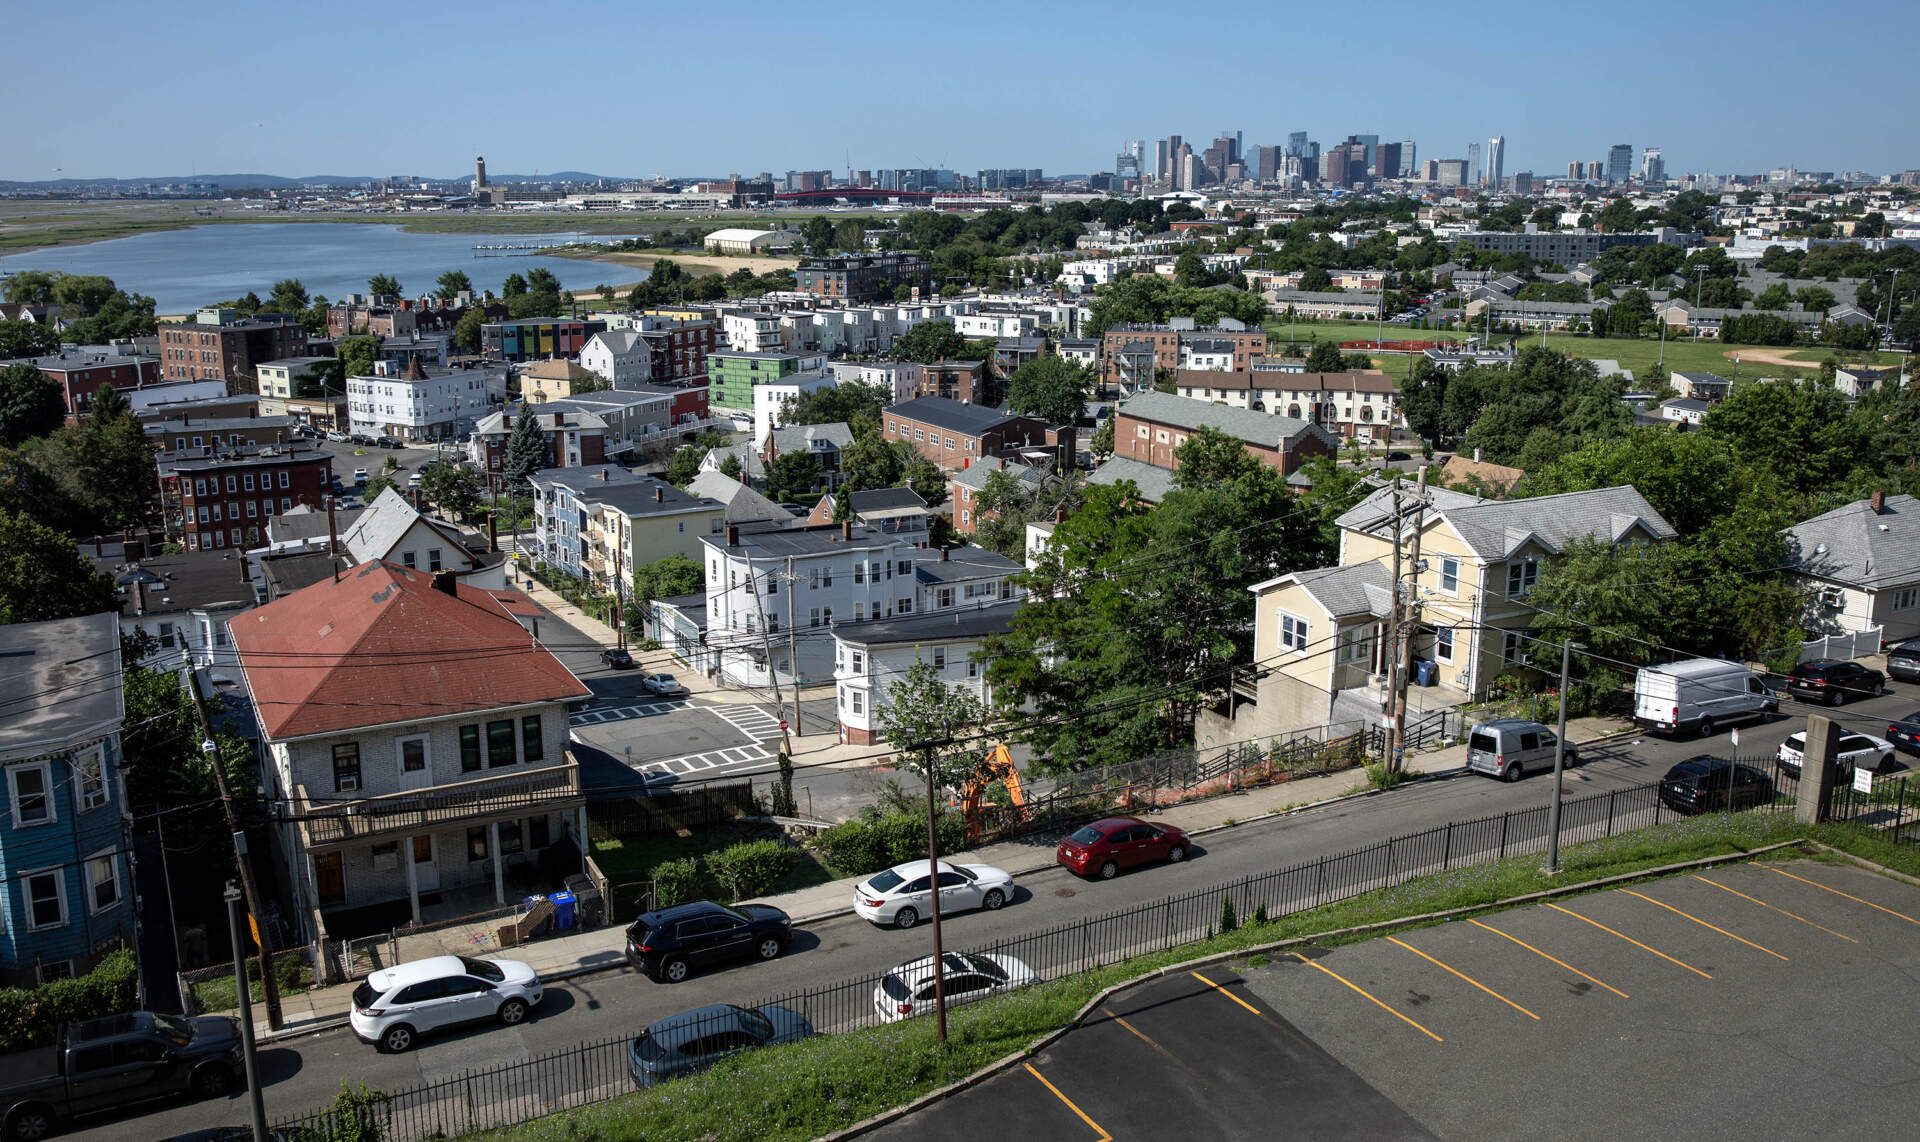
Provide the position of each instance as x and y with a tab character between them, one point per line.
394	1005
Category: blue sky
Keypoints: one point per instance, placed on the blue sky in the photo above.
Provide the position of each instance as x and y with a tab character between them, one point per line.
143	89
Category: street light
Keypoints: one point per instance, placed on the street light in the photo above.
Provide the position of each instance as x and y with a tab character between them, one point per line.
1559	761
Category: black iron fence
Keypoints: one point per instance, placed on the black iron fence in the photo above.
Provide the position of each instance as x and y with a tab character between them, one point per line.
591	1072
690	808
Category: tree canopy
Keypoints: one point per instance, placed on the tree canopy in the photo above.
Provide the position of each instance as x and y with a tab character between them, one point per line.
44	576
31	404
1051	388
526	452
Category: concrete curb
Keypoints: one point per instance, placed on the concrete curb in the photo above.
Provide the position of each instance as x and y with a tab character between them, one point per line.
1870	866
1008	1061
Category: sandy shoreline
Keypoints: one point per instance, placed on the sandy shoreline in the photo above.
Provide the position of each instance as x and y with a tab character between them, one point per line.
696	264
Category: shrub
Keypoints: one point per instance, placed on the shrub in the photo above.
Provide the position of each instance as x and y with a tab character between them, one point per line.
676	881
750	868
1228	920
860	846
31	1017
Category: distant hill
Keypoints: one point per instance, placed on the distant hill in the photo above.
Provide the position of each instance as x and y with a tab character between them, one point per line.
273	181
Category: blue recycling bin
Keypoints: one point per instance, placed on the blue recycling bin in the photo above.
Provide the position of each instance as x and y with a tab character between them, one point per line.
563	911
1424	671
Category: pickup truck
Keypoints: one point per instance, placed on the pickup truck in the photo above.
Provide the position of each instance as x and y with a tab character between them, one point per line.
108	1063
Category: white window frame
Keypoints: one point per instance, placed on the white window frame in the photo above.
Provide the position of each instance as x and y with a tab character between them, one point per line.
1295	632
1906	598
1356	645
940	659
1510	648
400	753
112	859
1443	644
859	702
1450	574
26	898
84	798
1522	574
45	770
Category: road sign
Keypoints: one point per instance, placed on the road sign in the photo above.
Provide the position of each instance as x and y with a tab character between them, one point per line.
1736	735
783	723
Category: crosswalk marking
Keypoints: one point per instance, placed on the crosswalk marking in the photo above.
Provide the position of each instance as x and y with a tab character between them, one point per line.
720	759
595	717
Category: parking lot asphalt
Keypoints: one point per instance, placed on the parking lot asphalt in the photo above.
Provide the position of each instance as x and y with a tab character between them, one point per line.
1761	999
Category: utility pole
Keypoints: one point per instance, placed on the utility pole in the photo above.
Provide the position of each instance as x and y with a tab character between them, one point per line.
1559	762
793	648
1403	655
1393	633
933	874
257	1104
766	643
262	934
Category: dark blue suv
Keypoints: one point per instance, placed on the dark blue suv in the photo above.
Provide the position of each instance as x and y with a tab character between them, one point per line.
670	943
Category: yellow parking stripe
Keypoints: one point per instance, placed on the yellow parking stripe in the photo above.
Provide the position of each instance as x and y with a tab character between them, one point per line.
1704	924
1631	940
1104	1136
1225	992
1139	1034
1545	956
1465	976
1837	892
1363	991
1775	907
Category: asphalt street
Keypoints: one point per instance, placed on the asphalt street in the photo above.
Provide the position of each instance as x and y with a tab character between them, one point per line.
305	1073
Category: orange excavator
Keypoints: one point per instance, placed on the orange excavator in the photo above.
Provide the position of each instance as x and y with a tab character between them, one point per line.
996	766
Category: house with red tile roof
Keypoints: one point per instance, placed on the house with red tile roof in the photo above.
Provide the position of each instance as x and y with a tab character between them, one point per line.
415	736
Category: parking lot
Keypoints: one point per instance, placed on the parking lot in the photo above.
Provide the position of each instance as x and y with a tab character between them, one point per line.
1761	999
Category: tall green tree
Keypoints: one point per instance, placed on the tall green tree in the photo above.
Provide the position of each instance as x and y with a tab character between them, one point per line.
466	334
793	477
451	284
31	404
1051	388
930	341
114	463
869	463
927	719
1325	357
288	296
27	339
526	452
452	487
384	285
44	576
358	354
513	286
542	280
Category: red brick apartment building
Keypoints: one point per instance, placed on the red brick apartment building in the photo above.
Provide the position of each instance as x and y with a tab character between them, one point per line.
214	502
1130	354
227	348
1150	427
956	436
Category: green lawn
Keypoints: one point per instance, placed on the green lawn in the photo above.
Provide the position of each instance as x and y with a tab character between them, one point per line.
628	862
1704	356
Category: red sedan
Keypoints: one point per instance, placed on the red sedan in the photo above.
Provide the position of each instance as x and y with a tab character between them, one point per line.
1107	846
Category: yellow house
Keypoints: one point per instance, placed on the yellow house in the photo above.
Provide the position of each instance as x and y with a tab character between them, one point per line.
1321	636
636	524
557	379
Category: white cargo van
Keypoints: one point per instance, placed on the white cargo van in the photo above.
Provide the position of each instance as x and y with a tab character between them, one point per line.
1702	694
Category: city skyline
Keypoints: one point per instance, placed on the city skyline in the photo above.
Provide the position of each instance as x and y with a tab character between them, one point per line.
280	93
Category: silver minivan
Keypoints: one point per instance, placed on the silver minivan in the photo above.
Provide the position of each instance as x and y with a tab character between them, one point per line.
1509	748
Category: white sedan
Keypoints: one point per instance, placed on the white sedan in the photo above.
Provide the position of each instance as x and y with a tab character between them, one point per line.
1854	751
907	990
903	895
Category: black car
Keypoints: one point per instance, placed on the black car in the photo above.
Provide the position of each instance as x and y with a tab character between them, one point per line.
1903	660
389	442
618	659
670	943
1905	733
1832	681
1705	783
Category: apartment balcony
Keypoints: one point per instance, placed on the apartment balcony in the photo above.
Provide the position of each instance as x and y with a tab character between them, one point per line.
326	823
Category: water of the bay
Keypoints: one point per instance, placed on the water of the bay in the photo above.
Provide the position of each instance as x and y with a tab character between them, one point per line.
185	269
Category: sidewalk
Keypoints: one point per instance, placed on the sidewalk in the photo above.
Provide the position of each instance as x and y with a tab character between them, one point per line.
583	953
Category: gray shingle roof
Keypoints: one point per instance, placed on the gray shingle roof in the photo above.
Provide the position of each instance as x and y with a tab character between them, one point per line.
884	499
1263	429
61	678
800	437
1155	484
1852	546
1495	528
744	505
962	563
1357	589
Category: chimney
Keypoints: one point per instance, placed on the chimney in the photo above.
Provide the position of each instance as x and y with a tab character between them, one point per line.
1476	455
1879	502
943	553
493	533
244	576
733	535
659	495
603	475
443	582
846	529
333	539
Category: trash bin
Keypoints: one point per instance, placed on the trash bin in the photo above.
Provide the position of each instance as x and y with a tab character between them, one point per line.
1424	671
588	909
562	911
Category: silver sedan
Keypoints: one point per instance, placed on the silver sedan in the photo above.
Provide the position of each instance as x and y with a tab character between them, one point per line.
902	896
